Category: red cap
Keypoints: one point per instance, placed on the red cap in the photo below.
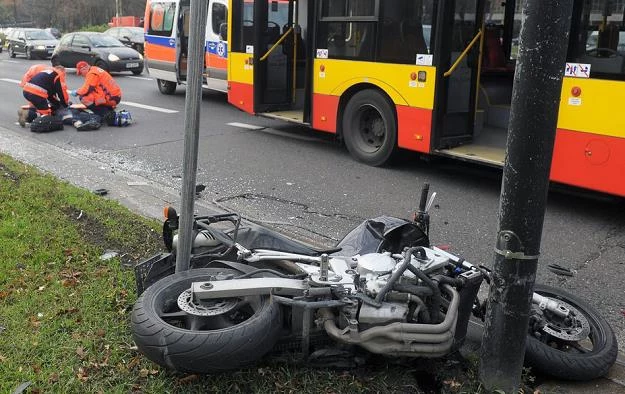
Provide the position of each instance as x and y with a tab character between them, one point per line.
81	64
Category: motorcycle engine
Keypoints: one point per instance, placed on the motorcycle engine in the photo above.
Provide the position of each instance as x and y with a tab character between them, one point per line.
375	270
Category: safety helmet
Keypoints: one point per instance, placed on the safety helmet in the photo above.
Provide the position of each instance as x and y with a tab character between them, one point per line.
80	65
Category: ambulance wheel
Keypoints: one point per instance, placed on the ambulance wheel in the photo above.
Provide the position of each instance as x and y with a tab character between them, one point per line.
370	128
166	87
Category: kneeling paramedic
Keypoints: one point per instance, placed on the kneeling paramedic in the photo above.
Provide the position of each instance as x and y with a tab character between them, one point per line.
45	90
100	93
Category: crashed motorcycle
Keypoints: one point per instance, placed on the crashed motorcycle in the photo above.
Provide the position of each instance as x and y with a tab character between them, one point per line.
383	290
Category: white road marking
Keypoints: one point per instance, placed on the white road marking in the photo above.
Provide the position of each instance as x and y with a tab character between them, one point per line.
150	107
142	78
245	126
9	80
11	61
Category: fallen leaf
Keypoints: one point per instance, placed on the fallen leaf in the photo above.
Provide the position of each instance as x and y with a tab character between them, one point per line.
100	333
134	362
82	375
80	351
53	378
143	373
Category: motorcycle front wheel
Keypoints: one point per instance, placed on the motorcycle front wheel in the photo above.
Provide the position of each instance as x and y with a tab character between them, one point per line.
581	346
180	333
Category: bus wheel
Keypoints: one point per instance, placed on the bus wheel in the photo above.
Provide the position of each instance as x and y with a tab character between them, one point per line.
166	87
369	128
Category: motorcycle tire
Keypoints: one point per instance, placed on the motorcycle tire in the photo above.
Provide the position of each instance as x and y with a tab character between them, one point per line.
585	359
225	337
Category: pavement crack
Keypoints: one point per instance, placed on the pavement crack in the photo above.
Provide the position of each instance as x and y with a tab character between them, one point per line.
304	207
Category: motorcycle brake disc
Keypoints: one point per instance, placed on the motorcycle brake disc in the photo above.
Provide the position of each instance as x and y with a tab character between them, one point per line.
575	328
205	308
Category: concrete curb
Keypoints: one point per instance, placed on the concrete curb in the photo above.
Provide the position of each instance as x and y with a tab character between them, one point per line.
137	193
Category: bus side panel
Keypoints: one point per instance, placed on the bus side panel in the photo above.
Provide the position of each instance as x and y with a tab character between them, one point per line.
414	126
325	110
241	81
590	161
589	149
409	87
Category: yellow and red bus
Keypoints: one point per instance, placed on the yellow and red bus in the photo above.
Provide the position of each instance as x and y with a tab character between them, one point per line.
430	76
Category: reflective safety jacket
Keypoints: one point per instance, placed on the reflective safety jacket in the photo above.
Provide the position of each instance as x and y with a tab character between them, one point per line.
99	89
48	84
32	71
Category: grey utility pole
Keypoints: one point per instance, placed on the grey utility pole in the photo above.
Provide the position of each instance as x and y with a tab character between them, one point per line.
533	120
193	99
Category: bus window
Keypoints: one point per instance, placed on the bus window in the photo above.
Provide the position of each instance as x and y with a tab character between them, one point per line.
404	30
243	19
347	29
347	8
598	38
161	19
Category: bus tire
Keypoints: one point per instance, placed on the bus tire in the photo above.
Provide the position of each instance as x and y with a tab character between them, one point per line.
369	128
166	87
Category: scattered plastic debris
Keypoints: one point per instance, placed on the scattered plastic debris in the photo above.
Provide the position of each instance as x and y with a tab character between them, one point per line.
109	254
559	270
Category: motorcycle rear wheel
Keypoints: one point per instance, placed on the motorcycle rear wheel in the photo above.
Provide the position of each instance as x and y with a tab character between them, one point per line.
203	337
551	352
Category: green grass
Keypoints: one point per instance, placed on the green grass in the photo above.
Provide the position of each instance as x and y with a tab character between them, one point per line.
64	313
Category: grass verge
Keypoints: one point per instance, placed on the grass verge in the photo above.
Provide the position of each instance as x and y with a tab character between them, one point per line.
64	312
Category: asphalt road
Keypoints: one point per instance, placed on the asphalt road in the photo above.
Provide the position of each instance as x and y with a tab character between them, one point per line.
279	173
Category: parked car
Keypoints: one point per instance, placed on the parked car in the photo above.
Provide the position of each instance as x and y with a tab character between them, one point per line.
129	36
97	49
3	38
54	31
32	43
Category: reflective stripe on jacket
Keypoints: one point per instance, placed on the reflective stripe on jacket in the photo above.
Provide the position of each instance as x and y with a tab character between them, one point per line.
48	84
32	71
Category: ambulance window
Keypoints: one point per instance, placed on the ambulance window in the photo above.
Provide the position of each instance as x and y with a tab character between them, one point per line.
161	19
219	16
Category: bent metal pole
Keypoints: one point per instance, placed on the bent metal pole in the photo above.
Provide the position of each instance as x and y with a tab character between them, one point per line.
533	120
193	99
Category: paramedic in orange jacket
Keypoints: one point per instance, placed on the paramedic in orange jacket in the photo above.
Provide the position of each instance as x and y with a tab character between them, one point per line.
100	93
45	90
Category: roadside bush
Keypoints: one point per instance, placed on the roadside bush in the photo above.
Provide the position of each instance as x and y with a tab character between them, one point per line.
98	28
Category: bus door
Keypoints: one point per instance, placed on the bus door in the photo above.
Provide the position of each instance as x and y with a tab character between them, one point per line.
457	56
272	74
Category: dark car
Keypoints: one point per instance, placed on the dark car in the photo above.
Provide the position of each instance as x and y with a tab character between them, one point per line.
129	36
32	43
97	49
